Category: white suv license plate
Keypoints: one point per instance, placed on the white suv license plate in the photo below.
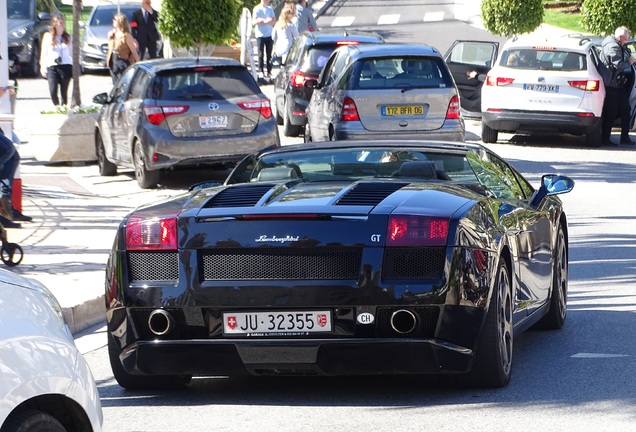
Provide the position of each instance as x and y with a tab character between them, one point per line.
542	88
288	323
212	122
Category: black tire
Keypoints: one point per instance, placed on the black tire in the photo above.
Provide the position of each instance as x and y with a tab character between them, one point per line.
493	362
32	421
555	318
106	167
594	138
279	118
289	129
307	135
143	382
488	135
11	254
32	69
147	179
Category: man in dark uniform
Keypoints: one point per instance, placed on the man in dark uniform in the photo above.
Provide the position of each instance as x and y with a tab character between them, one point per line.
144	28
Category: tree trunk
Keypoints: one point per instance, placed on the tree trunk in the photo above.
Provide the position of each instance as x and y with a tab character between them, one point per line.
76	98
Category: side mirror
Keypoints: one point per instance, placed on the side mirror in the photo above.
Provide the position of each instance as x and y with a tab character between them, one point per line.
311	83
552	184
101	99
44	16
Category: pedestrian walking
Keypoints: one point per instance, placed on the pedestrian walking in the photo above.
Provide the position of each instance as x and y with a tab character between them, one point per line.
618	60
304	19
284	35
264	20
56	60
122	51
144	27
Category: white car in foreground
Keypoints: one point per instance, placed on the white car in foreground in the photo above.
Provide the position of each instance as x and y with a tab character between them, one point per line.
45	383
544	86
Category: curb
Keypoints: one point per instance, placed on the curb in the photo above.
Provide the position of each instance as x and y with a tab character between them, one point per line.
85	315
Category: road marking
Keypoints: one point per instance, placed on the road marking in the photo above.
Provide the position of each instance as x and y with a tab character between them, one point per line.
389	19
434	16
598	355
343	21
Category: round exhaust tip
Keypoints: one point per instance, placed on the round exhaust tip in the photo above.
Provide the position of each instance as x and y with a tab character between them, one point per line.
403	321
160	322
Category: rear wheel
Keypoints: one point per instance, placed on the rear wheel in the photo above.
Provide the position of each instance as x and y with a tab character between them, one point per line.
279	118
488	135
106	167
493	362
594	138
147	179
288	128
142	382
555	318
32	421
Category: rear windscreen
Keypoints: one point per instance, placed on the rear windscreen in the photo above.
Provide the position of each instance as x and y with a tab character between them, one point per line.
316	57
218	82
544	59
400	72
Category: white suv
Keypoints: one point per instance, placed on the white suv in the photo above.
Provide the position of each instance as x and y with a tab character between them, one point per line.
544	86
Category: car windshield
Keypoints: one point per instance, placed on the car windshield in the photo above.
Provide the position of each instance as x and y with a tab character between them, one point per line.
20	9
400	72
206	82
544	59
103	16
354	164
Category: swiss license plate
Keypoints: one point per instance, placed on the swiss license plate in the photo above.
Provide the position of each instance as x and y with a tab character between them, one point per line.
289	323
209	122
542	88
400	110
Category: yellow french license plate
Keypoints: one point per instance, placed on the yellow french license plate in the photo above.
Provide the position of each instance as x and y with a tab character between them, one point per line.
402	110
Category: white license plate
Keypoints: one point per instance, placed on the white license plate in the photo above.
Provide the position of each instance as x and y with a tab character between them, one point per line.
209	122
289	323
542	88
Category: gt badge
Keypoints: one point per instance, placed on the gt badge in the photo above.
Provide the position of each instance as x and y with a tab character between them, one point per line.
375	238
365	318
231	322
213	106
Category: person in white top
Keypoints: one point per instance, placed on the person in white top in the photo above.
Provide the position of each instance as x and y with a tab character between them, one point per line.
56	61
284	34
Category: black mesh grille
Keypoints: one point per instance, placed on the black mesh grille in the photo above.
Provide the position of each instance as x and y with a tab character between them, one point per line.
427	317
153	266
239	196
279	263
369	194
410	263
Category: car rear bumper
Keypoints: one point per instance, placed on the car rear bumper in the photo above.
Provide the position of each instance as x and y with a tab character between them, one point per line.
171	151
292	357
452	130
92	61
540	121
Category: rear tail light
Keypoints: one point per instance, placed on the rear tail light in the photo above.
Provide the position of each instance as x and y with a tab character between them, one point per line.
349	110
498	81
157	114
151	234
406	230
453	108
263	106
587	85
298	78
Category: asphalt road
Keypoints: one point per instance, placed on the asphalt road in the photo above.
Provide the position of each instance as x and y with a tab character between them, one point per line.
579	378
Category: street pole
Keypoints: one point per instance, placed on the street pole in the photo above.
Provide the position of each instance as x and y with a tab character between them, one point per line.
6	115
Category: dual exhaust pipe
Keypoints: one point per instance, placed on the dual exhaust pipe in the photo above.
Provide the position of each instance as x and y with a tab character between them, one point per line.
161	322
403	321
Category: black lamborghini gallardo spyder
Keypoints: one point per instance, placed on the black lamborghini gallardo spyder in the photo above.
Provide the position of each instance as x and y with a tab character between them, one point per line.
343	258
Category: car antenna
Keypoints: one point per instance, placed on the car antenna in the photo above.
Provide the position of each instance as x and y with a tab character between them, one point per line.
346	34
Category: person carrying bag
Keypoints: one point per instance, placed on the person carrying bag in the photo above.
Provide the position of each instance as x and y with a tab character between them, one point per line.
122	50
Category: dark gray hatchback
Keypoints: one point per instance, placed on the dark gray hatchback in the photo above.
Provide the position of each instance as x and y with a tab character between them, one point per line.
181	112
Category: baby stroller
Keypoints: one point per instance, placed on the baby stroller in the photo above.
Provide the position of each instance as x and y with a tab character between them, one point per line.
10	253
